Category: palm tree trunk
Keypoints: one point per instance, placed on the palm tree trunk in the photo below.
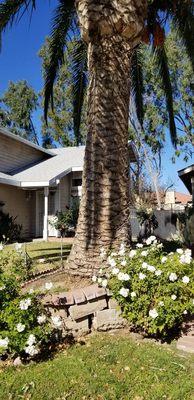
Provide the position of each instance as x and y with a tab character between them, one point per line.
104	209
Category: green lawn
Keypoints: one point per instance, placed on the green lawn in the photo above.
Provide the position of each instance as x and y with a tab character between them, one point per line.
49	251
107	367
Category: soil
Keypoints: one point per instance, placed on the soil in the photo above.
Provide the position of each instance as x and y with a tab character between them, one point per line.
62	281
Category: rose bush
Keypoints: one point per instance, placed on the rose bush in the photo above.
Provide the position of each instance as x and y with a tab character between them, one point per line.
155	290
25	326
13	261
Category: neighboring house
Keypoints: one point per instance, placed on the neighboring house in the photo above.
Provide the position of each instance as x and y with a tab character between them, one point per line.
35	183
176	200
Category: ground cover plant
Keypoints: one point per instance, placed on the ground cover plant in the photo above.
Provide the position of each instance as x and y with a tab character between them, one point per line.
154	289
121	369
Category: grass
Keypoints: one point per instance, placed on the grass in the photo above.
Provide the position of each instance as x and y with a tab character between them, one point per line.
107	367
49	251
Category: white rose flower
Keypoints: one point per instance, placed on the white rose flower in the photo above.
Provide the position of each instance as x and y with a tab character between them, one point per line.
185	312
133	294
161	303
94	278
41	319
159	246
173	277
144	265
142	276
2	287
179	251
48	285
185	279
31	340
111	262
123	263
24	304
104	283
31	291
122	250
123	277
153	238
99	280
144	253
132	253
113	254
139	245
28	301
124	292
4	342
115	271
31	350
163	260
188	252
151	268
173	297
126	277
18	246
20	327
158	272
185	259
1	246
57	321
148	242
153	313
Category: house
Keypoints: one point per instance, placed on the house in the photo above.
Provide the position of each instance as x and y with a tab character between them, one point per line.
176	200
187	177
35	182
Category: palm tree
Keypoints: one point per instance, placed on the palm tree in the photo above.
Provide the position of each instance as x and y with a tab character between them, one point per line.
111	31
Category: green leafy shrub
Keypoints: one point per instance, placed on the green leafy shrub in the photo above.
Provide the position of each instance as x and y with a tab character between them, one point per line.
25	326
9	229
19	324
65	221
155	290
148	220
13	262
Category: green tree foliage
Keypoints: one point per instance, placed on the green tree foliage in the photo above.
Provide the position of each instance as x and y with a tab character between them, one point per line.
183	92
18	104
155	124
59	127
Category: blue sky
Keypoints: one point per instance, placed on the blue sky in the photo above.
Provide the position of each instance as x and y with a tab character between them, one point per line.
19	60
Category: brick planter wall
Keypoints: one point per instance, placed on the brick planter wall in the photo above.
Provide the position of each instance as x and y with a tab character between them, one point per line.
83	310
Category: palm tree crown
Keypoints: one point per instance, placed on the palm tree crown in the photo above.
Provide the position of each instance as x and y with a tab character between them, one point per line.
65	26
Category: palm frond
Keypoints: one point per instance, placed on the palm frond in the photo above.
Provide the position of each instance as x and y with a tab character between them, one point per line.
11	10
79	84
163	72
137	83
62	23
183	18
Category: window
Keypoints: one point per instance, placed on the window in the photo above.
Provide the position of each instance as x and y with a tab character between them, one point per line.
77	182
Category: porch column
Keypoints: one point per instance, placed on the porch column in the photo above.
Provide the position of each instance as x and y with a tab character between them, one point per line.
45	229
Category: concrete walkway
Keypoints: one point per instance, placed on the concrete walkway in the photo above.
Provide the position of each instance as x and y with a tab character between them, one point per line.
186	341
